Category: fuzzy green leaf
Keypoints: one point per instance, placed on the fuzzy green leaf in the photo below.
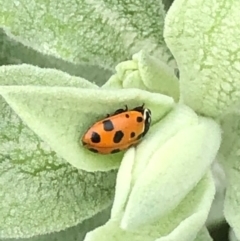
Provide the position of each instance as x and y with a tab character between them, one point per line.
12	52
24	74
76	233
231	205
193	147
61	115
216	216
203	235
204	38
232	236
192	211
98	32
145	72
41	192
180	118
229	158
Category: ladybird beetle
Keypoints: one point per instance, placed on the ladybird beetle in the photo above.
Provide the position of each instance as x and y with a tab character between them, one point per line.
119	131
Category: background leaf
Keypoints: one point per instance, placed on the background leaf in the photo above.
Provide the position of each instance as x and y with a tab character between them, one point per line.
203	235
76	233
64	29
40	192
204	38
229	158
216	217
13	52
232	236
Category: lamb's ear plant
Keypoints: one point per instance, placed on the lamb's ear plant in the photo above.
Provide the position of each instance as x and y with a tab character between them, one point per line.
161	190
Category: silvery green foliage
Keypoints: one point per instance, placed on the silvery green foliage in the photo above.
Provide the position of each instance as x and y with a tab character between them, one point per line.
36	183
13	52
74	233
71	29
165	185
232	236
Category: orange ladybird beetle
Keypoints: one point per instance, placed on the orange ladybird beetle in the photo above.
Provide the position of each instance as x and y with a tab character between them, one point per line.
119	131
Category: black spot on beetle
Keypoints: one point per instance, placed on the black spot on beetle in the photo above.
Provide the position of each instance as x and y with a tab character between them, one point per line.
132	134
127	115
118	136
95	138
108	125
93	150
139	119
115	151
